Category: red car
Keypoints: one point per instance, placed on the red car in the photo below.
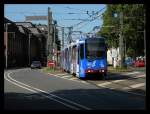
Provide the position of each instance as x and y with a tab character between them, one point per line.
139	63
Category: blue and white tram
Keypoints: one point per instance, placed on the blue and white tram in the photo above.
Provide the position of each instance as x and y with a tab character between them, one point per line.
86	56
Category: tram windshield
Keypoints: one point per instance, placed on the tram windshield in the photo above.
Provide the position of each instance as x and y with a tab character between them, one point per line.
95	48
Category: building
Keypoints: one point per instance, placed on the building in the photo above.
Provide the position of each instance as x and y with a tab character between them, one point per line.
37	42
24	43
16	42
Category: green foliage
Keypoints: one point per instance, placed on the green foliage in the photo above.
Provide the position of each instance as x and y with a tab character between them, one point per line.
49	57
133	22
130	52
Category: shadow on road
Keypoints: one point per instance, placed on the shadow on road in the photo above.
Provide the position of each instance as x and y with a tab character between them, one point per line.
140	91
99	99
15	68
110	76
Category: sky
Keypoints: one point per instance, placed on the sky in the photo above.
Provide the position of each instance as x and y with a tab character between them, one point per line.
17	12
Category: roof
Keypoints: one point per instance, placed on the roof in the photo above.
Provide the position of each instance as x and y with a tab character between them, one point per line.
34	30
22	29
11	26
7	20
42	27
25	24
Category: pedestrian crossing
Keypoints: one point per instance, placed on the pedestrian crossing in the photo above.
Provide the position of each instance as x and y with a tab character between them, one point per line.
136	81
121	84
121	80
135	86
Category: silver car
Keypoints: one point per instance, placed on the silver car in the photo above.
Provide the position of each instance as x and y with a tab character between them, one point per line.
35	64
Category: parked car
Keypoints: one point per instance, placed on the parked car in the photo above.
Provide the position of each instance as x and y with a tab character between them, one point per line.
139	62
129	61
35	64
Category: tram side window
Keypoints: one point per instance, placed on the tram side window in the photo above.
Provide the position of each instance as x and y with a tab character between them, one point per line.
81	51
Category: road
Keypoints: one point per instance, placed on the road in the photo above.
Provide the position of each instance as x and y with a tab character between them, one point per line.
34	90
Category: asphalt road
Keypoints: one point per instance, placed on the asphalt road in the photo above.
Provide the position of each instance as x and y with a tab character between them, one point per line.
33	90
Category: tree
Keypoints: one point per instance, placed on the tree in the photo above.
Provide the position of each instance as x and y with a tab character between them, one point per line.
133	26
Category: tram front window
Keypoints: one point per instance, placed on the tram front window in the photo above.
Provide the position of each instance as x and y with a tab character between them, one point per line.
95	49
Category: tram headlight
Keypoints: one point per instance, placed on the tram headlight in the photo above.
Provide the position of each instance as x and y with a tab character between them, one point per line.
89	71
103	71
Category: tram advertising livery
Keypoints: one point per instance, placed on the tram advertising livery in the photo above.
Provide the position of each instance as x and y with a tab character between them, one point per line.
85	57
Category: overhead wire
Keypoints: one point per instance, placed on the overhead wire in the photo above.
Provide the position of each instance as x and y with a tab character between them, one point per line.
89	21
91	17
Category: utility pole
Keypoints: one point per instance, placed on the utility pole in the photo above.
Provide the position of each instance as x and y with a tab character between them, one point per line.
49	40
54	46
121	45
62	37
70	32
48	32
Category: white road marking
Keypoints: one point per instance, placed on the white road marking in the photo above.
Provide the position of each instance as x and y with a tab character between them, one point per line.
66	76
125	88
131	73
107	83
69	78
104	84
37	90
137	85
41	94
73	78
19	85
139	76
116	81
62	74
84	82
134	86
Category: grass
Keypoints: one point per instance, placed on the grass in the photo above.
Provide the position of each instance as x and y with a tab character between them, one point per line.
118	69
110	69
51	70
